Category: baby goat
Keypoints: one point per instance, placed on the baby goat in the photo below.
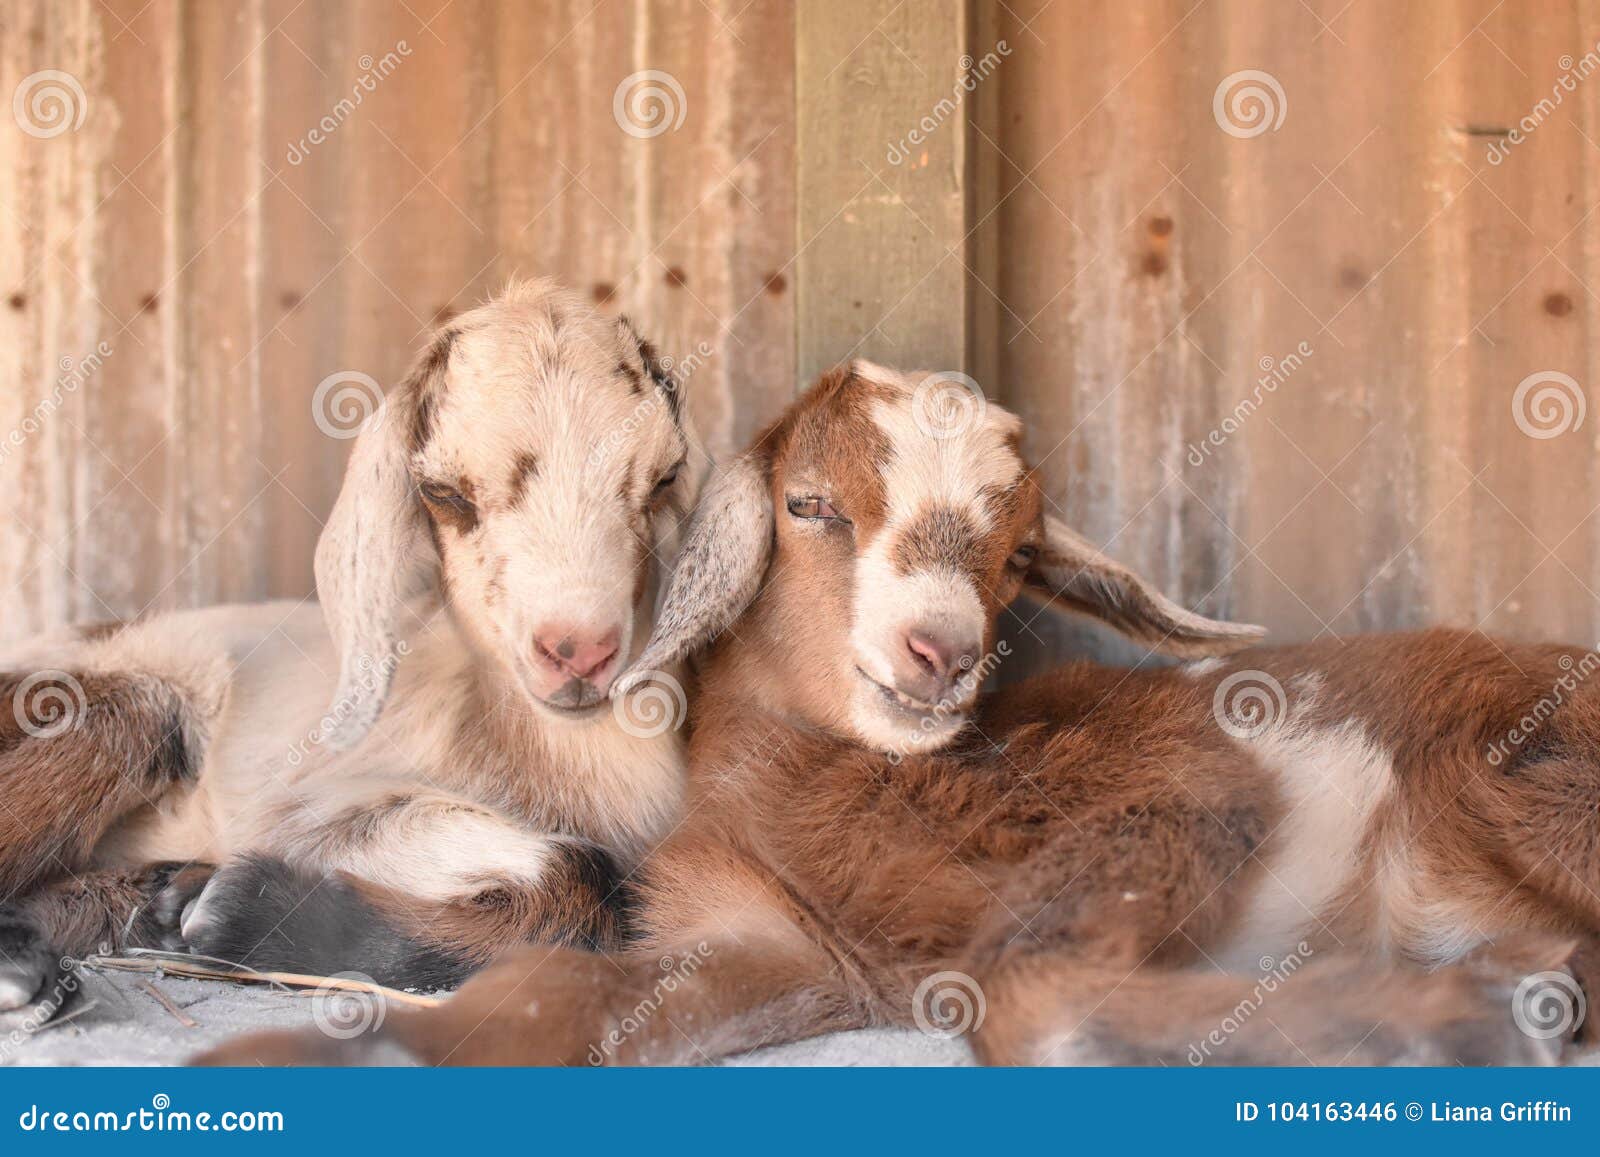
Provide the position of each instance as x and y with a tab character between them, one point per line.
1091	867
485	573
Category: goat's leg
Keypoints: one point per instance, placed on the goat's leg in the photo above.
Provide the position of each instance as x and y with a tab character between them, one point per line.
418	889
97	911
1056	1008
79	751
690	1004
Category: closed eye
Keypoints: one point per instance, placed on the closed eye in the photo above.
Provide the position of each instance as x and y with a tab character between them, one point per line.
815	508
664	483
440	494
1022	558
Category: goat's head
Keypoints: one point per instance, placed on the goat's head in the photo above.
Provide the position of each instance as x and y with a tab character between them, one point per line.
531	462
870	544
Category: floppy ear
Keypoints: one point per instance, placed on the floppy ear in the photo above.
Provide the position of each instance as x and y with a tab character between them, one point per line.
373	555
1074	573
718	571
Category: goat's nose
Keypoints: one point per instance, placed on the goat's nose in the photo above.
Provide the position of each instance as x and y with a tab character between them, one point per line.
580	652
937	656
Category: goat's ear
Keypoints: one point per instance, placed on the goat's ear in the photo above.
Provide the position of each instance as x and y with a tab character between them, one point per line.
718	571
1076	575
372	556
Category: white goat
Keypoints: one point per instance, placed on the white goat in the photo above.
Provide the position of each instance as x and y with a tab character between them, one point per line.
486	571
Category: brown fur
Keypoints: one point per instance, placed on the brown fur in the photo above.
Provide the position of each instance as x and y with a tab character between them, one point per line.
125	744
1077	852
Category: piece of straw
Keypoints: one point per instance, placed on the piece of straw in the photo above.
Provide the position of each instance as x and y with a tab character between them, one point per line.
150	960
165	1002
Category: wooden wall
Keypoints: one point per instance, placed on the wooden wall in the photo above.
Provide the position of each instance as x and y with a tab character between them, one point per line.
1081	230
231	265
1152	264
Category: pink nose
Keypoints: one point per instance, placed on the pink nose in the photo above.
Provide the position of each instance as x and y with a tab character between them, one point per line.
576	651
937	657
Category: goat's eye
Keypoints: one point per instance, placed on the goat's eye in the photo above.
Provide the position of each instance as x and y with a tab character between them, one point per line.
667	479
1022	558
813	507
442	495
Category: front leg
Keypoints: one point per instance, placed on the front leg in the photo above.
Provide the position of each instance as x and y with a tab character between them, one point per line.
413	888
690	1004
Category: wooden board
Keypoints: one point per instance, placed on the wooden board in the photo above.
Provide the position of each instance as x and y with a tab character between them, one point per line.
232	262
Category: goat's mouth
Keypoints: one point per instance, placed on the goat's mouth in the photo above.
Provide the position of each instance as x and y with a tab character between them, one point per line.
574	699
919	710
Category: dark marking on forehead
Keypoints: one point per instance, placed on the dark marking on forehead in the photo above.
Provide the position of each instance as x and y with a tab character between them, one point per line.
653	368
425	385
831	438
525	467
939	536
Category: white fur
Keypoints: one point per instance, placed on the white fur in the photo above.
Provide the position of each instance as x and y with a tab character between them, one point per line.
279	767
1332	780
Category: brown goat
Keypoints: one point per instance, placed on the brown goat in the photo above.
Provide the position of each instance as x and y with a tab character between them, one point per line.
1092	867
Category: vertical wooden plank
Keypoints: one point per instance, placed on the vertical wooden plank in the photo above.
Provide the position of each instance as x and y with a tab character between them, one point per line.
218	479
881	139
51	321
126	417
312	67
